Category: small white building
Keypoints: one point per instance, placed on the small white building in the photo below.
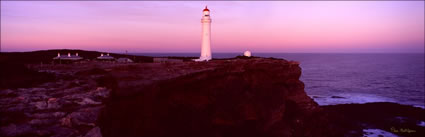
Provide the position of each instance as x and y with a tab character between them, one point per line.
68	57
247	53
105	57
124	60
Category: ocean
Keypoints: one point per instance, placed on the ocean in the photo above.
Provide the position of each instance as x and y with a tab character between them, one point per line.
343	78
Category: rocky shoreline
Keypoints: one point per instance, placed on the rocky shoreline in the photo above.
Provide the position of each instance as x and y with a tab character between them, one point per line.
228	97
61	108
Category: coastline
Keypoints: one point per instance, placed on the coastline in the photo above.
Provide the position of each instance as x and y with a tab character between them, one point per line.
77	92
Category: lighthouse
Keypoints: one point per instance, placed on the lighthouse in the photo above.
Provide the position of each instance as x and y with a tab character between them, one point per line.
206	36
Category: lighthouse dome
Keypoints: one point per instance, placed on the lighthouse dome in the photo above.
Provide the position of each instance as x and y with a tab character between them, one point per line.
206	9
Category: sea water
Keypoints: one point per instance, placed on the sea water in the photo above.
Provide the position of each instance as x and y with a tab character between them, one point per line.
341	78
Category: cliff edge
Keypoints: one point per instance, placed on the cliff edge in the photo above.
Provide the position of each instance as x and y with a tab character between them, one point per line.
258	97
238	97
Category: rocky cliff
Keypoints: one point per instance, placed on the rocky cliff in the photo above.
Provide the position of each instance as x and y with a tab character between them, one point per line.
261	97
239	97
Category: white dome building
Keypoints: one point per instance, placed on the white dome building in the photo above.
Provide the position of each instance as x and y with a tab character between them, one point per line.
247	54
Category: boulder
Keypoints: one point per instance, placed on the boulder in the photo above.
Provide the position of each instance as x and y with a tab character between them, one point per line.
88	101
53	103
40	122
40	105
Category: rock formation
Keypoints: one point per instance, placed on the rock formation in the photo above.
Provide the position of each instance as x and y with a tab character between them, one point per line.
243	96
240	97
67	107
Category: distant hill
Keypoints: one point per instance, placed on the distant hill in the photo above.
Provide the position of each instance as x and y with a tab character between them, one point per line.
46	56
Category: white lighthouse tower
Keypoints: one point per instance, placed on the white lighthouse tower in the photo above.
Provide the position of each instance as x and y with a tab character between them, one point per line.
206	36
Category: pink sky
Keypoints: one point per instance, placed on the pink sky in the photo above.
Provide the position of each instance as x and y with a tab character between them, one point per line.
155	26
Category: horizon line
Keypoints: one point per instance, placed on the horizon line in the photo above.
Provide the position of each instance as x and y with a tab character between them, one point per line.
225	52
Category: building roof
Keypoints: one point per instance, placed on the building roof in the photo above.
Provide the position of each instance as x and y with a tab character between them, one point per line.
105	57
124	60
66	57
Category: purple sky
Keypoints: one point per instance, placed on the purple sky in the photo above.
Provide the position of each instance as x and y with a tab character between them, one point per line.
156	26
